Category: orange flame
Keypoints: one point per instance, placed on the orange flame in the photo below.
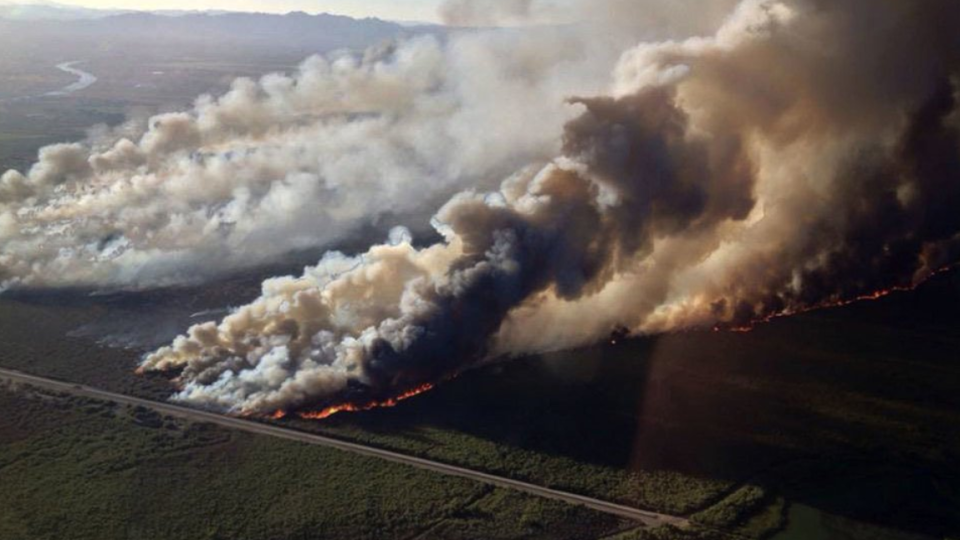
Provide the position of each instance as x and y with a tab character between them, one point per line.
358	407
877	295
823	305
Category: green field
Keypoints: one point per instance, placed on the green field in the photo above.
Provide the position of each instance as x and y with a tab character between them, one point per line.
81	469
851	412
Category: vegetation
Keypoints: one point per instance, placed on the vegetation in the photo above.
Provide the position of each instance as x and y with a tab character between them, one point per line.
669	533
751	511
662	491
76	468
849	411
44	339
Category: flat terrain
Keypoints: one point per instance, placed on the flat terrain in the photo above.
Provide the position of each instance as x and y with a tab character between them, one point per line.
649	519
85	469
848	415
842	423
146	64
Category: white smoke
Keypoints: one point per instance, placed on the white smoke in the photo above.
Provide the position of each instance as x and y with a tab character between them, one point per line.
291	161
726	178
803	153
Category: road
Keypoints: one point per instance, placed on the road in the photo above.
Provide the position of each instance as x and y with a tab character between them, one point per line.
650	519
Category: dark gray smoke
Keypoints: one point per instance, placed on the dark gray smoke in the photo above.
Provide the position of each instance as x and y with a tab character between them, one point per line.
806	152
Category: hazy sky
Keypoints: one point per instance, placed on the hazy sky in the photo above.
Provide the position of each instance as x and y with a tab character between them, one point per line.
419	10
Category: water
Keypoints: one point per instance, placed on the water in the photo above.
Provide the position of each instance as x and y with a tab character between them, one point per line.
85	80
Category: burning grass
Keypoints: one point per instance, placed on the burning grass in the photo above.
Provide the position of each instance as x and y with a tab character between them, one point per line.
835	304
673	423
387	403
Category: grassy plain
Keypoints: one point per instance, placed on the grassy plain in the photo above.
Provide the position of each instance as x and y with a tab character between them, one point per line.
850	411
82	469
853	411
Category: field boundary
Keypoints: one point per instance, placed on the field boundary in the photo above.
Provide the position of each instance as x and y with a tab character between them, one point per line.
647	518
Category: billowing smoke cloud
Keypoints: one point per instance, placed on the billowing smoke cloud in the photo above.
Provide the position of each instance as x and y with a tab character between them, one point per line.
846	115
806	152
636	19
398	316
291	162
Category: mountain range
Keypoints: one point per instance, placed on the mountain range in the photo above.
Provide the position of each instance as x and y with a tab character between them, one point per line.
53	30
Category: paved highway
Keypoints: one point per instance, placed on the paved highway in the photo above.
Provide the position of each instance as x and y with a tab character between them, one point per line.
651	519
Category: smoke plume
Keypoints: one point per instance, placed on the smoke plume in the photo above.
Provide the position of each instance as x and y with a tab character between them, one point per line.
796	154
291	162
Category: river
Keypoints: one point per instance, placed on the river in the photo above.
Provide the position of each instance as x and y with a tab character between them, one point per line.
85	80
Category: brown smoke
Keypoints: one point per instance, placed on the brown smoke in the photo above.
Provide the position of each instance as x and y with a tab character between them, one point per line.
802	152
808	152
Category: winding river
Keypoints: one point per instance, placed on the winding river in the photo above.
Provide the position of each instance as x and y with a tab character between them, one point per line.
85	80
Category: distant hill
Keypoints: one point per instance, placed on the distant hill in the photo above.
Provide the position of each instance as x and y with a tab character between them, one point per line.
38	10
311	31
193	35
31	11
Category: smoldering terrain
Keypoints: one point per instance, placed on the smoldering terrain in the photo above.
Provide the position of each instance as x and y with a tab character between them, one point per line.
655	172
558	215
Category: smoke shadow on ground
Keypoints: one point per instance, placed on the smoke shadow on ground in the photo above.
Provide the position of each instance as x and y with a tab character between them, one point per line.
852	410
